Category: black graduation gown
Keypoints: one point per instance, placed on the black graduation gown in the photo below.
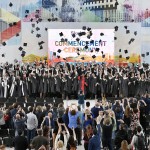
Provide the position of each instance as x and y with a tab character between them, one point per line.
109	86
40	84
35	85
45	84
58	85
29	88
69	85
93	85
1	89
132	86
124	87
52	84
103	86
115	86
141	87
75	84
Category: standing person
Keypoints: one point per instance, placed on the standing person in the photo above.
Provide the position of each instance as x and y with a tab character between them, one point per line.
81	100
19	121
39	141
32	124
20	142
94	143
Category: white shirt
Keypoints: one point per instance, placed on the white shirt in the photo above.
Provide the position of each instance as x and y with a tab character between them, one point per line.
32	121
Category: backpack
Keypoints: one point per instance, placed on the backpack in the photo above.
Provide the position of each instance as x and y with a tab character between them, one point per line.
140	143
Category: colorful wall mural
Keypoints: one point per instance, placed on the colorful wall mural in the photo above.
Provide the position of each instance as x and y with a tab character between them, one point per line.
24	24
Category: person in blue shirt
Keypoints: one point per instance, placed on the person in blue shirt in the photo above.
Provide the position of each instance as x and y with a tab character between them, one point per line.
95	141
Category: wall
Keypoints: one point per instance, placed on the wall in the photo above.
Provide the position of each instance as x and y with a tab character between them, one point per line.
54	14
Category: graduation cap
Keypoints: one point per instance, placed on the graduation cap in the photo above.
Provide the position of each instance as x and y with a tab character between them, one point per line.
78	53
84	28
127	31
126	51
59	50
143	55
116	28
10	4
80	33
97	49
127	58
54	53
132	20
132	39
62	40
24	44
20	48
135	33
32	31
10	24
103	56
82	58
26	16
46	29
147	53
37	28
129	42
42	42
33	25
88	37
88	29
120	56
90	33
77	39
14	23
64	58
56	9
106	19
78	49
86	47
3	55
49	19
17	34
66	40
40	19
61	34
73	35
41	47
102	52
100	41
58	56
38	35
31	19
23	53
126	27
91	51
101	34
4	43
115	38
93	56
26	11
119	50
116	3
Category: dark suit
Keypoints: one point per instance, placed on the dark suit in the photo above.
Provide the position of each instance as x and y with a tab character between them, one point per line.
94	143
20	143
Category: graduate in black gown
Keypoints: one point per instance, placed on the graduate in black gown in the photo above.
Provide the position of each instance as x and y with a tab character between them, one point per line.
132	87
115	85
103	86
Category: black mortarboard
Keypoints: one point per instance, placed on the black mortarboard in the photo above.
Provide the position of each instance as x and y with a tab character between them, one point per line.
56	9
78	53
61	34
26	11
77	39
116	3
33	25
66	40
126	51
127	31
120	56
102	52
106	19
147	53
58	56
103	56
100	41
32	31
88	29
127	58
24	44
115	38
10	4
40	19
101	34
88	36
86	47
59	50
64	58
62	40
26	16
125	27
92	41
84	28
143	55
80	33
42	42
49	19
132	39
23	53
31	19
37	28
135	33
4	43
17	34
20	48
41	47
82	58
93	56
10	24
38	35
91	51
97	49
3	55
46	29
119	50
73	35
116	28
14	23
54	53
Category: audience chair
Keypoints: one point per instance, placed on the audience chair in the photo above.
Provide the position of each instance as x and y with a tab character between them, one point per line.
8	141
4	133
11	133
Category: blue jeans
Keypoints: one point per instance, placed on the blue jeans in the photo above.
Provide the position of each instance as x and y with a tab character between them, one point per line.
30	134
